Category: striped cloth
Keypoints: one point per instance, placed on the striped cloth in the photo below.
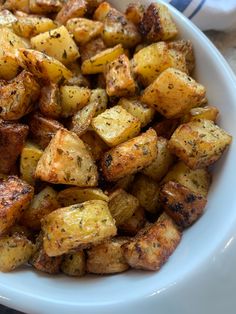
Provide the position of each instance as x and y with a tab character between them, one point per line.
208	14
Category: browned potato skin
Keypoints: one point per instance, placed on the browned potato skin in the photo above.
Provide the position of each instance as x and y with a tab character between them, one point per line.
12	139
71	9
135	223
153	245
130	157
45	6
134	13
43	129
91	48
95	144
181	204
15	197
13	5
50	102
166	127
107	257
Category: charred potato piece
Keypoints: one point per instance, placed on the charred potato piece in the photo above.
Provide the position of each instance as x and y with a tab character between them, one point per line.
122	205
13	5
166	127
42	204
152	246
94	144
199	143
67	161
50	101
30	155
91	48
77	226
71	9
45	6
116	125
164	160
130	157
12	139
157	23
173	93
15	197
107	257
134	13
7	18
74	264
119	80
135	223
208	113
181	204
15	251
43	129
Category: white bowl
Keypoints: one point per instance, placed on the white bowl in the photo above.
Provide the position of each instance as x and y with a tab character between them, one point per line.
199	277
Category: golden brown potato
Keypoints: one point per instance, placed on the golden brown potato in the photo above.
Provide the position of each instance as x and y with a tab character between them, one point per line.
122	205
199	143
117	28
135	223
77	195
153	245
43	129
134	12
50	101
97	63
12	139
77	226
74	264
13	5
58	44
173	93
71	9
45	6
107	257
208	113
130	157
42	204
15	251
166	127
30	155
67	161
116	125
43	66
15	197
84	30
146	191
157	23
91	48
164	160
7	18
119	80
94	144
17	98
198	180
181	204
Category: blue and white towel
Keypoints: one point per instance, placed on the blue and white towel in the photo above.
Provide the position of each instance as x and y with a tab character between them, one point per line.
208	14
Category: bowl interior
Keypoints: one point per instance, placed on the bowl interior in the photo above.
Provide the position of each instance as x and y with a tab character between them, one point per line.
198	243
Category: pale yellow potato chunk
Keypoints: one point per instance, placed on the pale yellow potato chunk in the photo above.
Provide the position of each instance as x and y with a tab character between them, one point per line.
208	113
7	18
74	264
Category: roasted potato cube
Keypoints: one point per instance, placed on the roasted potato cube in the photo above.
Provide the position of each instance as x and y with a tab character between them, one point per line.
12	139
164	160
74	264
13	5
198	181
134	13
50	101
150	61
43	129
91	48
77	195
181	204
43	66
208	113
77	226
77	78
73	98
199	143
42	204
30	155
107	257
134	106
58	44
7	18
99	96
45	6
166	127
71	9
28	26
122	205
15	251
146	191
125	183
135	223
98	62
117	28
94	144
153	245
83	29
67	161
15	197
157	23
130	157
119	80
173	93
116	125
